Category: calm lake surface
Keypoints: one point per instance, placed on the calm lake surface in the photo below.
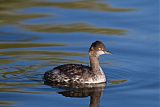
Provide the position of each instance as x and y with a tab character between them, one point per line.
37	35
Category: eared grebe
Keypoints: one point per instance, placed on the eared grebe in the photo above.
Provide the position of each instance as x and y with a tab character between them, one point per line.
77	73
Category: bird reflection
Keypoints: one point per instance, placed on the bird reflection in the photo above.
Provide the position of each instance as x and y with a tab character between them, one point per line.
94	91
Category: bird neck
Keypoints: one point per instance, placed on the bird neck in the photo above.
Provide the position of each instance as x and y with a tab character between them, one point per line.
94	64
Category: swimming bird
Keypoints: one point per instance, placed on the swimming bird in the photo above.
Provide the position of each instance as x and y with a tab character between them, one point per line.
78	73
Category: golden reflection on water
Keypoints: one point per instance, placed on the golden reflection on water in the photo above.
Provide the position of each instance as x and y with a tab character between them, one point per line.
72	28
48	56
9	15
17	55
65	54
94	5
16	37
20	78
10	18
10	53
19	87
6	61
26	45
117	82
7	103
97	5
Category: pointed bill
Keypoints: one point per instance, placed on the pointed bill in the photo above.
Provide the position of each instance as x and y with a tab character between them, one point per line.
107	52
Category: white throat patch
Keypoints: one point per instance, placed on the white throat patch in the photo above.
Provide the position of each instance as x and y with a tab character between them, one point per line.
99	78
100	53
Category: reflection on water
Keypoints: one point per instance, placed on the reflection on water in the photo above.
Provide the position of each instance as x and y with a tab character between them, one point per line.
50	57
16	54
10	16
97	5
6	103
94	94
17	37
26	45
116	82
94	91
36	35
72	28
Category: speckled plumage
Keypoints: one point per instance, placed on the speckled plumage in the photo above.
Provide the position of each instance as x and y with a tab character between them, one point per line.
69	73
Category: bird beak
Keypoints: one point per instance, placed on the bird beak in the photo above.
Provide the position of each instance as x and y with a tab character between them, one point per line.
107	52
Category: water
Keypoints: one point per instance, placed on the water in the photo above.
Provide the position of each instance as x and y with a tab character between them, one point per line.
37	35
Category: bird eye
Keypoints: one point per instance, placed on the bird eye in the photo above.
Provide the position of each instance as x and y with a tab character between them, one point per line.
99	48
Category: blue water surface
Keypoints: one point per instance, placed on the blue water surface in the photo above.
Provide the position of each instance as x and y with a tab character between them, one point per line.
37	35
